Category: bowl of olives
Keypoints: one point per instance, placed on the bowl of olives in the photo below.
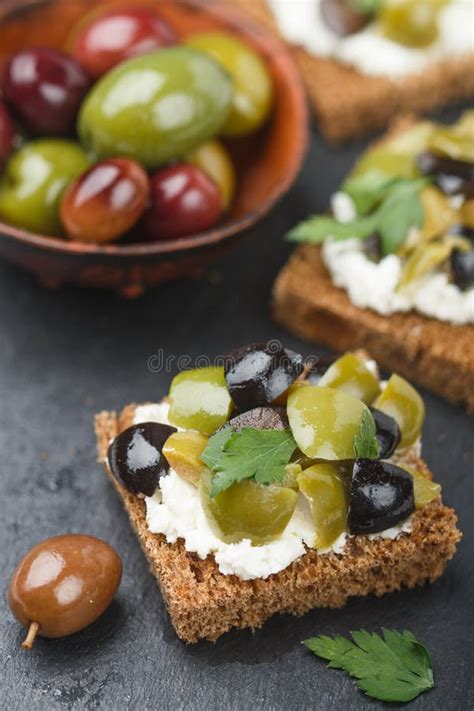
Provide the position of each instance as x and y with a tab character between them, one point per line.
138	141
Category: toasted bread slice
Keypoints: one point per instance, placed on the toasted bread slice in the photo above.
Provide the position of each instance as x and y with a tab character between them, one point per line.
203	603
349	104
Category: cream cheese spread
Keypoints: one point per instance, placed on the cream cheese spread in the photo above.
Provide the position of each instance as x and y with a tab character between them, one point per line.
175	511
371	53
373	285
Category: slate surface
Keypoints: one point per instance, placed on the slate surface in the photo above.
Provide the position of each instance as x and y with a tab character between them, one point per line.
65	355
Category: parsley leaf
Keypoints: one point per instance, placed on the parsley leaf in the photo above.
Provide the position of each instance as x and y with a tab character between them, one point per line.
393	668
365	441
369	188
250	453
399	210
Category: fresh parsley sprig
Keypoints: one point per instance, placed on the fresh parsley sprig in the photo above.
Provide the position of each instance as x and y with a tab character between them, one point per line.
365	441
395	667
250	453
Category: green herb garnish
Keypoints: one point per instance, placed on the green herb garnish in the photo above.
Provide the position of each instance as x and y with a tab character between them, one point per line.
365	442
393	668
250	453
367	7
369	188
399	210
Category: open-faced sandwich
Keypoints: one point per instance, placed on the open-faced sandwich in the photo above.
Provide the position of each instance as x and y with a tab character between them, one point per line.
363	61
269	485
392	269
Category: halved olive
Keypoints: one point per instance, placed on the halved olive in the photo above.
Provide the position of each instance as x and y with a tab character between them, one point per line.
462	268
413	23
324	422
425	258
199	400
389	161
438	212
401	401
248	510
349	374
425	490
183	452
446	141
325	490
387	433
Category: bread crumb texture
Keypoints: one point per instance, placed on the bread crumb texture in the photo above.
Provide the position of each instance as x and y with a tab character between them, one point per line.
203	603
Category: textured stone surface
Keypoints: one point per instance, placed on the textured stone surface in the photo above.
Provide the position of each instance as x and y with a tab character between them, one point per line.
65	355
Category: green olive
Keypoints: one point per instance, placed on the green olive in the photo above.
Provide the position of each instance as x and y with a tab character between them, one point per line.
156	107
348	373
452	143
248	510
388	161
324	422
214	160
199	400
413	23
425	490
325	490
34	181
401	401
427	257
182	451
253	91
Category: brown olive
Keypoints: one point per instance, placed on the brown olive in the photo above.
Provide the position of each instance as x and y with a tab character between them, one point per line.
63	584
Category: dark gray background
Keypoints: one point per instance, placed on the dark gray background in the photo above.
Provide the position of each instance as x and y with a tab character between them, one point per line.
67	354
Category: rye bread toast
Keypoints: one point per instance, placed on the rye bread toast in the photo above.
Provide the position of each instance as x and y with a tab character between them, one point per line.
203	603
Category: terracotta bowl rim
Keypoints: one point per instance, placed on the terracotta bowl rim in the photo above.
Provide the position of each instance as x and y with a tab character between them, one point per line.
233	16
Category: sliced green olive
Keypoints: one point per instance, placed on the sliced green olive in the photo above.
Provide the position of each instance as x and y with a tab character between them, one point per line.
324	422
199	400
424	489
348	373
325	490
182	451
427	257
413	23
451	143
248	510
439	215
389	161
290	479
401	401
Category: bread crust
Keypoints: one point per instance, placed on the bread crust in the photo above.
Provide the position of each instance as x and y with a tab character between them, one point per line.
203	603
349	104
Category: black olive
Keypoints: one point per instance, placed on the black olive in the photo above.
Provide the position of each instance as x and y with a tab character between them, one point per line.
462	268
257	374
342	18
462	231
388	433
135	456
372	246
318	367
450	175
381	496
260	418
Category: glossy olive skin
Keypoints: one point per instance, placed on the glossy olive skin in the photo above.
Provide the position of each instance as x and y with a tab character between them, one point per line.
387	433
214	160
350	374
400	400
182	451
184	201
257	374
108	38
45	88
34	181
462	268
64	584
157	107
413	23
260	418
105	201
252	84
343	18
135	457
381	496
7	134
325	490
199	400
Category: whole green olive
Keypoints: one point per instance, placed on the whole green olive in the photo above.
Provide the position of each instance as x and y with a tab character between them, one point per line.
63	584
34	181
253	90
157	107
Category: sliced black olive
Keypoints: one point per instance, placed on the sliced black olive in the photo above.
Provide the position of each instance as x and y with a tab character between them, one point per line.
381	496
372	246
388	433
462	268
450	175
260	418
259	373
462	231
135	457
342	17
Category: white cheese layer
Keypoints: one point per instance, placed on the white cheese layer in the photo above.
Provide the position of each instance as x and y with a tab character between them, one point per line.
175	511
373	285
300	22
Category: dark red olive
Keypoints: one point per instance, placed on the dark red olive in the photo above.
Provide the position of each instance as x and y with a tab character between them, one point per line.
259	373
381	496
184	201
7	134
135	457
104	41
450	175
387	433
462	268
106	201
342	17
260	418
45	88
